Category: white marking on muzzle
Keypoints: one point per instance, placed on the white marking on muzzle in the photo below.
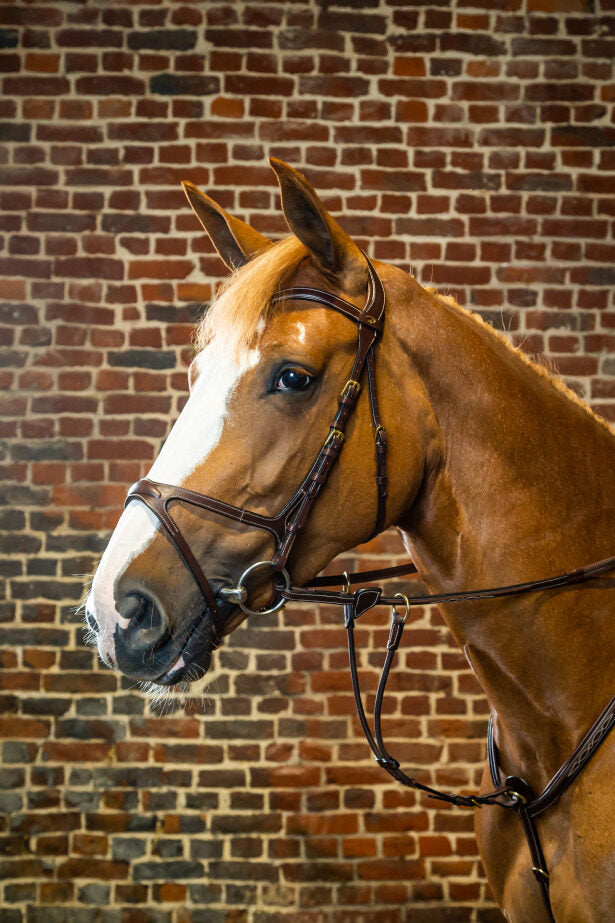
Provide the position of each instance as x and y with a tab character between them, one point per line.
195	434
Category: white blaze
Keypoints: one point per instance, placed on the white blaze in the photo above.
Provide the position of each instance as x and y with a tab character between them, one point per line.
195	434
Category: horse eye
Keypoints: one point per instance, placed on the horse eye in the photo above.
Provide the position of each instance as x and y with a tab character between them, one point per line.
293	380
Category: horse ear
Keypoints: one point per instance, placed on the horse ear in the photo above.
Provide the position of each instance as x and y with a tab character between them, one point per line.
235	241
335	253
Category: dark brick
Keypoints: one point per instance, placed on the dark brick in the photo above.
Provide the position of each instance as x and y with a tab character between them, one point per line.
542	47
184	85
64	222
12	520
127	848
143	359
583	136
245	871
298	39
368	23
163	40
12	778
14	131
167	871
429	227
545	182
46	705
135	224
472	43
206	849
9	38
59	449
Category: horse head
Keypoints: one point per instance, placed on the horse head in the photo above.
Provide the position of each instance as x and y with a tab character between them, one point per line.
270	373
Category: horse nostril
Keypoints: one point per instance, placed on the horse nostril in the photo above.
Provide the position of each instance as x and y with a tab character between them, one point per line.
131	607
148	628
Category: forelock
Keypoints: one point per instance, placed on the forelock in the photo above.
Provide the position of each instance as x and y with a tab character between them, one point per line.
243	303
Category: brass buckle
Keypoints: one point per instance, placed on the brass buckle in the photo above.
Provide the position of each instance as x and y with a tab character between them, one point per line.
351	385
334	434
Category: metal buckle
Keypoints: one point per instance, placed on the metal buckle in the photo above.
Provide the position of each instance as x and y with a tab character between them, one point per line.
351	385
334	434
240	586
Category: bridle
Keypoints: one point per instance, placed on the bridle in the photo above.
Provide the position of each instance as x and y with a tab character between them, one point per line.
513	793
286	525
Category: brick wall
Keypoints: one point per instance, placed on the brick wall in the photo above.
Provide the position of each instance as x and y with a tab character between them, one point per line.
471	141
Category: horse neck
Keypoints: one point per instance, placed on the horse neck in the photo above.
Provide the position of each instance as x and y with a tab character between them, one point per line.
520	490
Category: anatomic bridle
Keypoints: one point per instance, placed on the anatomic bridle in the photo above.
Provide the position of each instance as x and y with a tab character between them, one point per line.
286	525
513	792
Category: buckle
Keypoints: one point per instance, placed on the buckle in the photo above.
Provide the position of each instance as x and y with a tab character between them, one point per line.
351	385
334	434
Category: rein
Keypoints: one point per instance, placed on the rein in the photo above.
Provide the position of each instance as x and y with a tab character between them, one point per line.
513	793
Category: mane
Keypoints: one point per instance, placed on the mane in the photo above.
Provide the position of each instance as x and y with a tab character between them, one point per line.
242	304
551	376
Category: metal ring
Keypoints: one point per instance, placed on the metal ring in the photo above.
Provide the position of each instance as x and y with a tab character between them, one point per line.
407	603
281	602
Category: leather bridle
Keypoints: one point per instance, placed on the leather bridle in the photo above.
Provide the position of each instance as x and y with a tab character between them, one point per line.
286	525
514	793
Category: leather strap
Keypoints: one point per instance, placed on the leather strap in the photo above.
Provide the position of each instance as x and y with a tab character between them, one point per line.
286	525
360	602
514	793
363	576
528	806
580	575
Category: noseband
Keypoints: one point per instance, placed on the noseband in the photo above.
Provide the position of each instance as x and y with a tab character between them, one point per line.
513	792
286	525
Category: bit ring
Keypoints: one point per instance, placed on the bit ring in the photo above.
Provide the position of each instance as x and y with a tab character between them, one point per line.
240	586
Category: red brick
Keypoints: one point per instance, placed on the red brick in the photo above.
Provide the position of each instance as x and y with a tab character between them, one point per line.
505	198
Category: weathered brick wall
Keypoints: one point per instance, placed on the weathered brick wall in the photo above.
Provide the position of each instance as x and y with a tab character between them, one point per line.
471	141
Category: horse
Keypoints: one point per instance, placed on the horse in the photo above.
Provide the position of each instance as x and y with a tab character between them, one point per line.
495	473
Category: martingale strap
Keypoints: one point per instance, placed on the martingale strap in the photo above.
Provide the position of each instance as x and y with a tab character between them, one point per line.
513	792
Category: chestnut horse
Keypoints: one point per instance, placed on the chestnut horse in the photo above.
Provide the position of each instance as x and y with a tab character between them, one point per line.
496	474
